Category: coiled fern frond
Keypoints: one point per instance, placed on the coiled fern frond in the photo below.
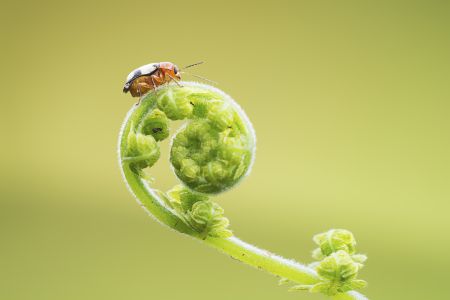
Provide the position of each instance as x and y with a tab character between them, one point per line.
210	154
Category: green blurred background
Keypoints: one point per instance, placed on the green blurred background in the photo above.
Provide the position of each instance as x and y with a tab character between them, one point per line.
350	102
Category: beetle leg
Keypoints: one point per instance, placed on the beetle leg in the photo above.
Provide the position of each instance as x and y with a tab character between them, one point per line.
155	88
176	81
140	95
138	87
139	101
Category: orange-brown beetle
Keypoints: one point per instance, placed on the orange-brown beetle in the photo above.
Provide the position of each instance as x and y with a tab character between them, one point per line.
149	77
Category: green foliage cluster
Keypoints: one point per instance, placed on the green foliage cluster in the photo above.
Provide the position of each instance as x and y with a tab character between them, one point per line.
211	153
198	211
337	263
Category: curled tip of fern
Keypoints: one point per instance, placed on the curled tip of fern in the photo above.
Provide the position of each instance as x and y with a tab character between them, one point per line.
211	153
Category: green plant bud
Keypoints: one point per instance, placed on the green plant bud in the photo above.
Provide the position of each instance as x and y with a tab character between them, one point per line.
156	124
189	169
207	218
338	266
223	157
339	272
142	151
215	172
333	241
184	198
174	103
200	104
215	150
202	212
231	148
178	153
220	114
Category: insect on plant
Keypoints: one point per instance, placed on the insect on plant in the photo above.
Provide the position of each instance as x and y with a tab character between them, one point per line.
149	77
210	155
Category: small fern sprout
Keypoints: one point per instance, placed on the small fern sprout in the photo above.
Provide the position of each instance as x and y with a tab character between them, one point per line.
338	264
334	240
211	153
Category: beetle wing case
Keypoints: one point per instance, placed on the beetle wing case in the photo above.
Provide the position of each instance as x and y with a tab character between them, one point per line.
141	71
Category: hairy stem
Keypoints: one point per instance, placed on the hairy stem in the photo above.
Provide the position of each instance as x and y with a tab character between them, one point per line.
234	247
264	260
150	201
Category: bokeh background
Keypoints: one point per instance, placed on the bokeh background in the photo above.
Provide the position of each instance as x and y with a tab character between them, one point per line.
350	102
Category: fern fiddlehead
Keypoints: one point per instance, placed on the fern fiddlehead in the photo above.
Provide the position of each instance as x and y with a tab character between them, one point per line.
210	154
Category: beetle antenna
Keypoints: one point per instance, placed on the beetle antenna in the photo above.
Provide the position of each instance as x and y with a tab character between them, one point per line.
200	77
188	66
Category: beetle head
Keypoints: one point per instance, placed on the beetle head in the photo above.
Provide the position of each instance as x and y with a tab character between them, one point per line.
170	69
176	72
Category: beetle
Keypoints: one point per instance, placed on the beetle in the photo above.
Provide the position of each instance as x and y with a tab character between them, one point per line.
148	77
